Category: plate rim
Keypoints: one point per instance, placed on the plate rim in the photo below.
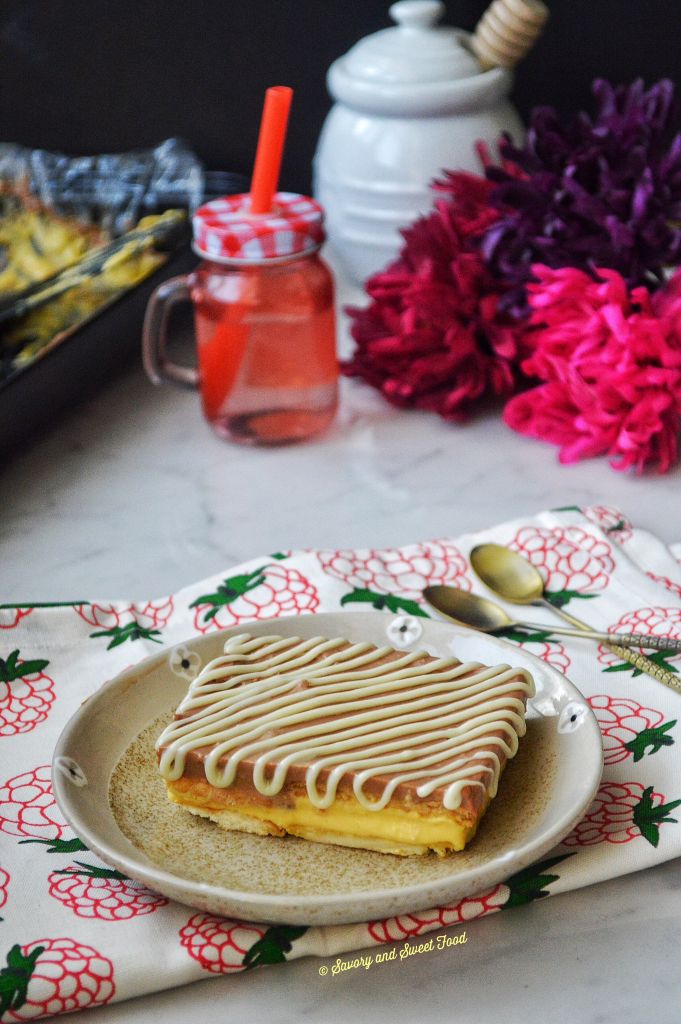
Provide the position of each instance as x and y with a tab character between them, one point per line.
152	874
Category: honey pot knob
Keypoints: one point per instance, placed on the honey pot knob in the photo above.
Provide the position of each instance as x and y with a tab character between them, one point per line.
417	14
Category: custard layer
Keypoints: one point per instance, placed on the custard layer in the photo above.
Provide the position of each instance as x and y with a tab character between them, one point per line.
346	822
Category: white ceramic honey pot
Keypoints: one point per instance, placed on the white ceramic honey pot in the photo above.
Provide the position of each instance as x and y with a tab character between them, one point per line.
410	101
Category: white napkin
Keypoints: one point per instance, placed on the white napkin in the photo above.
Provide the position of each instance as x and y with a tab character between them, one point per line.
75	935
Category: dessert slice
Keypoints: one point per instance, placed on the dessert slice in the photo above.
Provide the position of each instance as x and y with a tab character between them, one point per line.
345	743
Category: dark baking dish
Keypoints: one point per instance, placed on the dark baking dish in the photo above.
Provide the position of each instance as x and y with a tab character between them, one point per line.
78	364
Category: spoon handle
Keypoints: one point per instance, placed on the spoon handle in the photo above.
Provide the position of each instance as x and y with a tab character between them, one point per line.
653	643
657	643
639	661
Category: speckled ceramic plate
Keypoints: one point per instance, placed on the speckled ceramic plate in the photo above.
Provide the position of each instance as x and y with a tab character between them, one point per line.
107	784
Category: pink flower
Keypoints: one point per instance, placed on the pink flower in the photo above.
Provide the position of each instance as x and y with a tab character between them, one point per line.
433	336
610	362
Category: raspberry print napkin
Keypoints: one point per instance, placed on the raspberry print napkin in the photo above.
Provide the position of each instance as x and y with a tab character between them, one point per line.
76	933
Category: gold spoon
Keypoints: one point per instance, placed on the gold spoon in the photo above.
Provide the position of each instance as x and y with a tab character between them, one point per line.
480	613
516	580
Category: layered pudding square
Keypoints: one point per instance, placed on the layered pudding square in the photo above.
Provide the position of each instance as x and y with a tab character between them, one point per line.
346	743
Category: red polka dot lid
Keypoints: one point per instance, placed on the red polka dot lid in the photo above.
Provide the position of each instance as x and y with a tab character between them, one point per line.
225	229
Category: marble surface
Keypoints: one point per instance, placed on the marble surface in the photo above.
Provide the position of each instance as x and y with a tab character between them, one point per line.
131	496
601	955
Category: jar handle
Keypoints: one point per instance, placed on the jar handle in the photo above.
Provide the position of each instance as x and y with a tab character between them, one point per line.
155	335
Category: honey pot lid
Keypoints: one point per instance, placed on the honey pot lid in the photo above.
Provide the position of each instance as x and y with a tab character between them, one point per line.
417	51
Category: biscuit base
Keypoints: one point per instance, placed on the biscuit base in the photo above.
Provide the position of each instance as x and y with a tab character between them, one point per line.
403	831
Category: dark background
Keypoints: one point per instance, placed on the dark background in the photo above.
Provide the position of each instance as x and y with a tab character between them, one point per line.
87	76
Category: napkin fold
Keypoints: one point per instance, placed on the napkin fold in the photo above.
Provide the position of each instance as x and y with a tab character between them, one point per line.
74	933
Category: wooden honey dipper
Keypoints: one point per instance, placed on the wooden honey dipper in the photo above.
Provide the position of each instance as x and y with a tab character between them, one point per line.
507	31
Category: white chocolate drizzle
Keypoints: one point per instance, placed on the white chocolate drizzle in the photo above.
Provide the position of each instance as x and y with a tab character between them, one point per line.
342	708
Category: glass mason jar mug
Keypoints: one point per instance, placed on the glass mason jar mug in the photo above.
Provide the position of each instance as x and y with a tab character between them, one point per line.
263	304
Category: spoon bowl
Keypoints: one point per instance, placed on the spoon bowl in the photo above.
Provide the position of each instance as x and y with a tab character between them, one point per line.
508	574
513	578
467	609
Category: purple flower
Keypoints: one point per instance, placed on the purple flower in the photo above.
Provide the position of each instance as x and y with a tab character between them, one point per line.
595	192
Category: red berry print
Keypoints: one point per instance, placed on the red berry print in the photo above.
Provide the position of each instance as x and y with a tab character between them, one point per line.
4	882
394	929
93	891
52	976
26	694
265	593
394	579
629	729
541	644
553	654
151	614
674	588
574	563
611	521
221	945
11	617
218	943
28	808
154	613
391	571
523	887
655	621
132	622
622	812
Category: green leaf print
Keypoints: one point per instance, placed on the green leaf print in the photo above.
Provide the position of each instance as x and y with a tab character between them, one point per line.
559	598
58	845
530	883
229	590
649	817
15	976
44	604
131	631
11	668
273	946
658	657
654	738
526	636
380	601
93	871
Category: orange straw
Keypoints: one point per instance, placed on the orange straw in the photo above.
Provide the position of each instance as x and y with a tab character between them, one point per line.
270	147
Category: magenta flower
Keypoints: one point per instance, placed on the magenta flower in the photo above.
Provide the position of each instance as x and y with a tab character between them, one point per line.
609	359
433	337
